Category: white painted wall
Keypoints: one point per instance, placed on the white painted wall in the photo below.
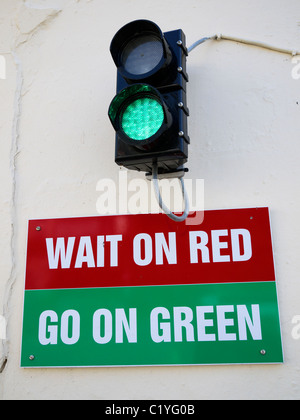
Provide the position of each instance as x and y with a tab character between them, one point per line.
56	143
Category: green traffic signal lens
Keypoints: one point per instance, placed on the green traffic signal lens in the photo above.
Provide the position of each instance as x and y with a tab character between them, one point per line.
142	118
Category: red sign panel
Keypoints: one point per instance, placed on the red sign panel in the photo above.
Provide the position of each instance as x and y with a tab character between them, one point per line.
138	250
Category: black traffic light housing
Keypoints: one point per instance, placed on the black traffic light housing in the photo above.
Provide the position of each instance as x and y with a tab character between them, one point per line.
151	90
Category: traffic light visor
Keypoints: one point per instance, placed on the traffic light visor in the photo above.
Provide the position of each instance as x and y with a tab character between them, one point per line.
140	51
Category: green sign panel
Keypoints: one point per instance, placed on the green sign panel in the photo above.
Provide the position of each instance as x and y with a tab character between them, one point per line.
154	325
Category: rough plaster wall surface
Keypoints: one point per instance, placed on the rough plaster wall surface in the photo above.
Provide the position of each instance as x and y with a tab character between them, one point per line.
56	143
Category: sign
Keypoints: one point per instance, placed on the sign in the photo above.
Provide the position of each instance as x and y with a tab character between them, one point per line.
138	290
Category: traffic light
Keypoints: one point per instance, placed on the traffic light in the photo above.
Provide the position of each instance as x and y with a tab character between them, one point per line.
149	112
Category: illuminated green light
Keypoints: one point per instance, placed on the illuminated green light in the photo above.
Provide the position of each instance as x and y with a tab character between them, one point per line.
142	118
